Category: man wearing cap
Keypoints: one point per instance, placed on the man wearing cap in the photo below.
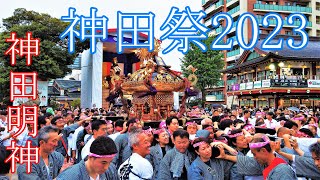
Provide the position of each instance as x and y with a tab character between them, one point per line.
264	162
49	111
96	165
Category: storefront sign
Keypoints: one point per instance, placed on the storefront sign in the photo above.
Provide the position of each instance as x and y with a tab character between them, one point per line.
257	84
242	86
211	98
313	83
249	85
266	83
236	87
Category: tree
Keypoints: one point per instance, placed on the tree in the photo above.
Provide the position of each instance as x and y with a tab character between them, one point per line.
208	64
76	103
54	56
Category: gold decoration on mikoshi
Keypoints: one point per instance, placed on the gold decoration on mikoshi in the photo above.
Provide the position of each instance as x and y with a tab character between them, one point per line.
192	77
144	54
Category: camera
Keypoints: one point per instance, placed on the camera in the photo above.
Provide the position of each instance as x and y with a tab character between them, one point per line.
2	129
215	152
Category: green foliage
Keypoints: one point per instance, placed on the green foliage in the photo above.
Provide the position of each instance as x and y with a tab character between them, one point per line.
54	56
54	104
76	103
195	102
209	65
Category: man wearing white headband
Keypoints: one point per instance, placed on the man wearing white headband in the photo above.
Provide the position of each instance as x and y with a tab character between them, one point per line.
95	166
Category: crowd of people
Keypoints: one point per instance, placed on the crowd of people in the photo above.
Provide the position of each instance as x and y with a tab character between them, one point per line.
217	144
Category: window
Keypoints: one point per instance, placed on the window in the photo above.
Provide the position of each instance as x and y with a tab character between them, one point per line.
250	76
318	6
288	32
260	76
259	2
318	19
287	3
318	32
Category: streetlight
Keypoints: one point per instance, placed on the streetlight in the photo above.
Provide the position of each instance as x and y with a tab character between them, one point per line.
281	64
272	67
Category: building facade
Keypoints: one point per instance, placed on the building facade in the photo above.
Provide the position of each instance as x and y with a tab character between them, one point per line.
310	8
281	78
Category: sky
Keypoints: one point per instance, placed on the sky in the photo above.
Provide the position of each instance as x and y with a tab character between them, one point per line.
109	8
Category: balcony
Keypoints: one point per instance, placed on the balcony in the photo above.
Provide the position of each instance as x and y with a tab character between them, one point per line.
235	42
218	97
230	66
273	22
230	2
278	8
233	53
204	1
219	30
290	81
220	83
231	81
234	10
208	22
297	23
298	83
215	6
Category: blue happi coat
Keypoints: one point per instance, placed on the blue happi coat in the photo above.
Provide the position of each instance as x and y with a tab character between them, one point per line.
218	170
79	171
155	158
124	150
39	171
171	166
305	167
249	166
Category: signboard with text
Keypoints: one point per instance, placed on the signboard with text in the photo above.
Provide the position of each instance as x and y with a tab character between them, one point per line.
242	86
257	84
266	83
249	85
313	83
